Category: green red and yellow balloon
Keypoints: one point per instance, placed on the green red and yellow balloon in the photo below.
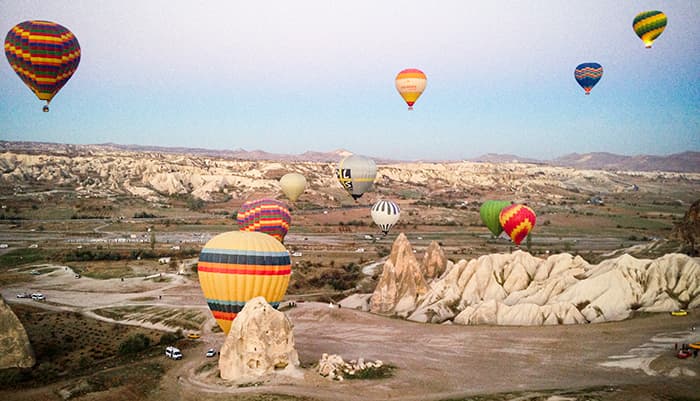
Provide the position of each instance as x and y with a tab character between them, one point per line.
648	25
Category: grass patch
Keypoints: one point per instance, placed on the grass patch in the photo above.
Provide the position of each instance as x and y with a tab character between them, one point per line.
186	319
23	256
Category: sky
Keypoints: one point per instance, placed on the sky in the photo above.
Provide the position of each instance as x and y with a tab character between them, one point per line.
293	76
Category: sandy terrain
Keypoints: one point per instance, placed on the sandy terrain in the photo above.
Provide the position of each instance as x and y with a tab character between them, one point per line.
433	361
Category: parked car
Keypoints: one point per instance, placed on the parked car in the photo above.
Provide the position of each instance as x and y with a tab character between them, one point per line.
24	295
173	353
211	352
193	336
37	296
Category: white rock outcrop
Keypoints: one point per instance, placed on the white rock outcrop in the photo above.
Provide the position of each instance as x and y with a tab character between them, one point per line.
335	368
520	289
401	282
259	343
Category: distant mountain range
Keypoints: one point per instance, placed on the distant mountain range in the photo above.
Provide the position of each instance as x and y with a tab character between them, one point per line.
686	162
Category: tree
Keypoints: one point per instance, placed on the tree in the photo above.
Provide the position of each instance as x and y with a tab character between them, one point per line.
153	240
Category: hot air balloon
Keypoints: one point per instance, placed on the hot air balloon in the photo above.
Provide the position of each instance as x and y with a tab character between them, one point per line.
410	83
265	215
385	214
587	75
517	221
356	174
237	266
648	25
44	55
293	185
489	212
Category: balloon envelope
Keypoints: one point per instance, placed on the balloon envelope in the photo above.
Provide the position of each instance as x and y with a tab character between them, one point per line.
517	221
356	174
490	212
237	266
293	185
410	83
385	214
265	215
44	55
648	25
587	75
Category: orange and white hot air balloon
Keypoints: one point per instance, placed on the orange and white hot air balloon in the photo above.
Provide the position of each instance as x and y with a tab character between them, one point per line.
410	83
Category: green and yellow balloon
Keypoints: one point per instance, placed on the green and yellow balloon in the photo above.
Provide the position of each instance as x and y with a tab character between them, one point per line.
648	25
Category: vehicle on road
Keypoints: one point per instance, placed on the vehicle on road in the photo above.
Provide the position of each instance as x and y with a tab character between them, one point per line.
193	336
24	295
211	352
37	296
173	353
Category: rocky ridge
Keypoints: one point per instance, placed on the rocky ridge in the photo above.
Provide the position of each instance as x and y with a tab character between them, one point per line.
155	176
520	289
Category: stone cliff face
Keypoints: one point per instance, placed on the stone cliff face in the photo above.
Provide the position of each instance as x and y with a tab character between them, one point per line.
688	229
16	350
401	281
520	289
259	343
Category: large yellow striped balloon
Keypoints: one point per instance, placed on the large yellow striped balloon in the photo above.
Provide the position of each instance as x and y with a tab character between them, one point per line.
410	83
237	266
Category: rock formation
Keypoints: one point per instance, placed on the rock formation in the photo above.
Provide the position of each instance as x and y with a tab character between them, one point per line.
434	261
335	368
401	282
16	350
688	229
520	289
259	343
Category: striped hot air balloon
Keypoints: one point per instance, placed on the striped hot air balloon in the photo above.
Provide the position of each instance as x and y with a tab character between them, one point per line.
237	266
44	55
410	83
587	75
265	215
490	212
648	25
356	174
517	221
385	214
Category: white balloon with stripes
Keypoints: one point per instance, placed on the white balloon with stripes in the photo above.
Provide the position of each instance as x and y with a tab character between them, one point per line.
385	214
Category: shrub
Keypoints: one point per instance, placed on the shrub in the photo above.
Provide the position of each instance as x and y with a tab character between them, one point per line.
134	344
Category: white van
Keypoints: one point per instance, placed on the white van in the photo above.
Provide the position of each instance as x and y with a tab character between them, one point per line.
37	296
173	353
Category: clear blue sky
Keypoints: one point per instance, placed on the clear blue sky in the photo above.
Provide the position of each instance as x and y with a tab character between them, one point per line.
292	76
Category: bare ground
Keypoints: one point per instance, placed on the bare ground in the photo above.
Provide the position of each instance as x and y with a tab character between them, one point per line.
632	359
